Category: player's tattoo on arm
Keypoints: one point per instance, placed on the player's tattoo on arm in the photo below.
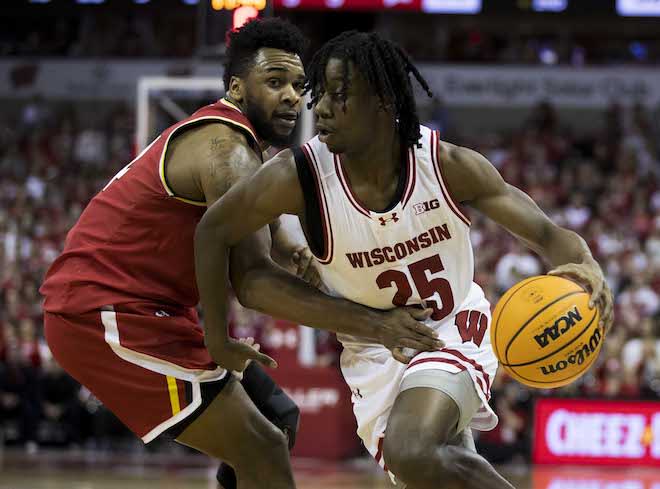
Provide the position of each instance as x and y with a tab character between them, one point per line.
215	144
227	161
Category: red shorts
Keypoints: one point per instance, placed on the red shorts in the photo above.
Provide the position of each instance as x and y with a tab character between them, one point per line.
145	362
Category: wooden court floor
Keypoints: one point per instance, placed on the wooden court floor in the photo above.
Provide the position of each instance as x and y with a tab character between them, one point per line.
53	470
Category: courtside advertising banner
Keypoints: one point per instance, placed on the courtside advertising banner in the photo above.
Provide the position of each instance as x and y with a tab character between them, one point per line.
597	432
573	477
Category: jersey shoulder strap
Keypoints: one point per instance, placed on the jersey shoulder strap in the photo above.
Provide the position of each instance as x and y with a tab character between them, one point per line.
313	219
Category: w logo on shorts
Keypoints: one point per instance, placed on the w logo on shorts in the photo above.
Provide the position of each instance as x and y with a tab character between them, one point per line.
384	221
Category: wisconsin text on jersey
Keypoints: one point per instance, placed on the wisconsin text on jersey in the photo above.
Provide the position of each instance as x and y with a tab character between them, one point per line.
390	254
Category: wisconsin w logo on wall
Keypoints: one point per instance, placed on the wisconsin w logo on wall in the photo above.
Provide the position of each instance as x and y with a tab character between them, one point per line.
392	218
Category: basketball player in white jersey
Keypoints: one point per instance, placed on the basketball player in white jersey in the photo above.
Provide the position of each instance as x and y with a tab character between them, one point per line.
379	198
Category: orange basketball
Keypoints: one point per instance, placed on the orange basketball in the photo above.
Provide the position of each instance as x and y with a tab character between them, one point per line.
544	333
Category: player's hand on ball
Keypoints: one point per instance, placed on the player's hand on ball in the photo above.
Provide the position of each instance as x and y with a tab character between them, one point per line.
590	275
305	265
403	333
235	355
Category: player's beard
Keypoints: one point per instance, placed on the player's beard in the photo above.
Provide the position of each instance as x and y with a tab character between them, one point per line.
261	123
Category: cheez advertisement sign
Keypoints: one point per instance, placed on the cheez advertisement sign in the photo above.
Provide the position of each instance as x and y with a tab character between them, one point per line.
597	432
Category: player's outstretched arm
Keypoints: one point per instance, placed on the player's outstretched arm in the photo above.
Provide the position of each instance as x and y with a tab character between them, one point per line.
250	205
473	180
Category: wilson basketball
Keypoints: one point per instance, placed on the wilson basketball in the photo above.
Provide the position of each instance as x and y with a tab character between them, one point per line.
544	333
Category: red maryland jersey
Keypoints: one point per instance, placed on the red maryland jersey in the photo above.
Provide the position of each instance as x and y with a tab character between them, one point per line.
134	241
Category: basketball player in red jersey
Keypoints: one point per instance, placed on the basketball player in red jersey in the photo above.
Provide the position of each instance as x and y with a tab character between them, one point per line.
379	198
120	300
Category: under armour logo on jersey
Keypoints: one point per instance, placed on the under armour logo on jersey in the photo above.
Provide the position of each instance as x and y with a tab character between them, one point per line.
161	314
384	221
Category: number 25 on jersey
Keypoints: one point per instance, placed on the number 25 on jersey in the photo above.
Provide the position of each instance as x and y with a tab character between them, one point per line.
472	325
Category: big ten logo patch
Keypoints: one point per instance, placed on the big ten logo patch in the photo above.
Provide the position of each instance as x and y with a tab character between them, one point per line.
423	207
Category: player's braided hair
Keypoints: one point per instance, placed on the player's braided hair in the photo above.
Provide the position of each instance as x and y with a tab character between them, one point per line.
387	69
243	44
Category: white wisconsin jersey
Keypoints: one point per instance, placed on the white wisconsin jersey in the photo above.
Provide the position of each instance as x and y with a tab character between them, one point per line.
417	252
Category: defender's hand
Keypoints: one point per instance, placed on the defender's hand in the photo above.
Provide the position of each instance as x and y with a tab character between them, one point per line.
303	260
403	333
235	355
590	276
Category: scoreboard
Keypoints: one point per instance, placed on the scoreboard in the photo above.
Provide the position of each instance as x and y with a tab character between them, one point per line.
430	6
470	7
622	8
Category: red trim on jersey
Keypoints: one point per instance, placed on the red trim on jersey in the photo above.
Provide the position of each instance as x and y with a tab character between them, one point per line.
449	361
456	363
325	214
437	167
348	190
412	176
477	366
379	453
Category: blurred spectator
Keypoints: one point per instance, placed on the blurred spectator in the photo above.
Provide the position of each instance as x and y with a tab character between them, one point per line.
640	296
514	266
19	394
62	410
34	115
641	357
576	214
90	147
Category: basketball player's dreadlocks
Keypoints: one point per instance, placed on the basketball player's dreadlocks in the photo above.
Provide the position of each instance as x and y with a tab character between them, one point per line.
387	69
